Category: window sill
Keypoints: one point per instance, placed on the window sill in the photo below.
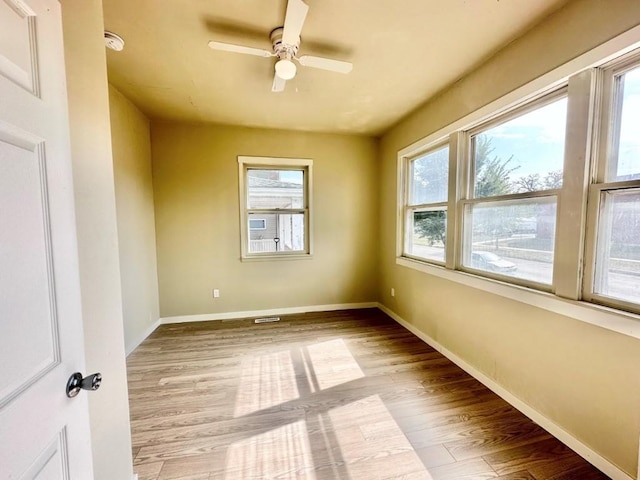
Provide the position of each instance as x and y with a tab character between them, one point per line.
611	319
269	258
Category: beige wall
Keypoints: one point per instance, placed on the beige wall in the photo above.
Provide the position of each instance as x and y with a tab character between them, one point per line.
581	377
195	174
131	143
97	236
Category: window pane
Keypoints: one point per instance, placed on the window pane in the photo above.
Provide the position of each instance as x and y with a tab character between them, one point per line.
257	224
275	188
525	154
512	238
430	177
618	251
426	234
282	233
627	166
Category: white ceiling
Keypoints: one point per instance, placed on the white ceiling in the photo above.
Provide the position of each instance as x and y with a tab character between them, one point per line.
403	51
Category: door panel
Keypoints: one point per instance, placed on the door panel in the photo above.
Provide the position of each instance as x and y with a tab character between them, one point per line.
18	53
43	434
26	259
50	464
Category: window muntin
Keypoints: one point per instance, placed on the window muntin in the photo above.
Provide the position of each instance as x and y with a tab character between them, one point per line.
426	205
275	210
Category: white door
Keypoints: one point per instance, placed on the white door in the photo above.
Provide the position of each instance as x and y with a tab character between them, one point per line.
43	434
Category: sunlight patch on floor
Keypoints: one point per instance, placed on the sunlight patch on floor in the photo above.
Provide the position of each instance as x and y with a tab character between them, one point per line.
280	453
369	438
333	363
358	440
265	381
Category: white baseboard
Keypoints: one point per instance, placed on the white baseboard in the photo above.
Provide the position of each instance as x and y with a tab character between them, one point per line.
565	437
266	313
131	346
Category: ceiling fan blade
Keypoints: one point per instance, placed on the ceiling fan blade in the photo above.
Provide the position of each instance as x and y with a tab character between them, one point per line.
293	21
229	47
278	84
325	64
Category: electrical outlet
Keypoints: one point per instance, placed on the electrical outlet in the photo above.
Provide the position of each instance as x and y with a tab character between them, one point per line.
393	292
216	293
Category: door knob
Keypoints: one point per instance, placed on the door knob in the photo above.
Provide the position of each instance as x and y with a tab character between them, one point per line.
77	383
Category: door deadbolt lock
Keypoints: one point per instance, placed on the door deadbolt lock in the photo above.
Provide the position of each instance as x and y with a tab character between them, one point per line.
77	383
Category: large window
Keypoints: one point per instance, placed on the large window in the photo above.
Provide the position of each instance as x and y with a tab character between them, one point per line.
544	194
516	168
275	207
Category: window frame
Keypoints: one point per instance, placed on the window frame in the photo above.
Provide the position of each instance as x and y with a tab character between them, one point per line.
468	198
607	130
246	163
409	209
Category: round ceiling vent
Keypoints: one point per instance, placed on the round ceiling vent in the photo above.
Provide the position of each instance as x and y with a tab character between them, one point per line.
113	41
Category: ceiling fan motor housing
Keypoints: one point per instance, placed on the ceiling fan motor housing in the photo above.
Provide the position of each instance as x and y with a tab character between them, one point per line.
283	50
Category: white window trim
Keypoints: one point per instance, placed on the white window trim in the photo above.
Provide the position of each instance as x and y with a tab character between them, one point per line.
245	162
609	318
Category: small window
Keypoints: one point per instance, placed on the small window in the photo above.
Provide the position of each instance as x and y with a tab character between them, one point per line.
426	205
275	199
257	224
510	217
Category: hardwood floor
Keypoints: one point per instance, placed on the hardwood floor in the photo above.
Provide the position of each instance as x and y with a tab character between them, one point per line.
344	395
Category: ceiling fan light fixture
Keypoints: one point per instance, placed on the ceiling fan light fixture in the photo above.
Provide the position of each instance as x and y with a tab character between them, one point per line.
285	69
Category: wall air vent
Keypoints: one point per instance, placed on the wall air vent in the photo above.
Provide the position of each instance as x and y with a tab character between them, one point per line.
267	320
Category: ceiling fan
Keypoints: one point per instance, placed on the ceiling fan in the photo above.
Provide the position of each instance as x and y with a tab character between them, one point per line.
286	42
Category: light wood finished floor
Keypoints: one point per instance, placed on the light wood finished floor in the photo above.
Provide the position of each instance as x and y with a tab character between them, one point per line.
345	395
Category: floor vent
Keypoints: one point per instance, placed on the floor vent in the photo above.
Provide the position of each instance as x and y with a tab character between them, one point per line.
267	319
